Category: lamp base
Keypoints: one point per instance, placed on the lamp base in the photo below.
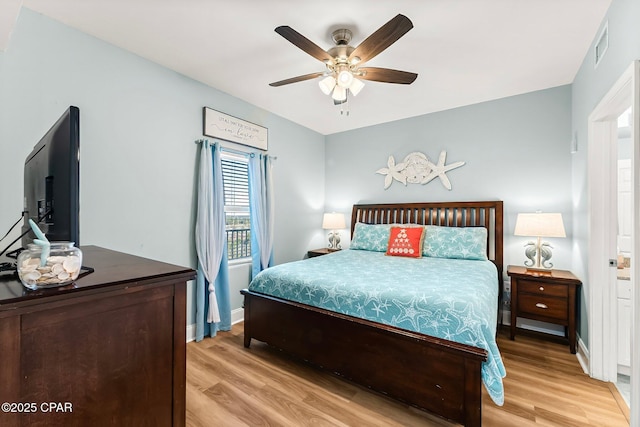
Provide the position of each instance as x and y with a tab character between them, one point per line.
538	255
334	240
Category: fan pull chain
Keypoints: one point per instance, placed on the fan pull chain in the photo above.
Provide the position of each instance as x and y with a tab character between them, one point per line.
343	111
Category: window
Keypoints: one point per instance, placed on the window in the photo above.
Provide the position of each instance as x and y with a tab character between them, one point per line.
235	179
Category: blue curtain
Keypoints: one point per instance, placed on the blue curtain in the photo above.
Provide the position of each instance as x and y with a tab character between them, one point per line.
221	285
261	211
213	306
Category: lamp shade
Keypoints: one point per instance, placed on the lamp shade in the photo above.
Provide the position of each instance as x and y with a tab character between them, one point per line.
540	225
333	221
339	93
356	86
327	84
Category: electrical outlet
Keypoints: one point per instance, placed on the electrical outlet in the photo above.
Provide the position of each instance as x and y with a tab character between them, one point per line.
506	286
506	297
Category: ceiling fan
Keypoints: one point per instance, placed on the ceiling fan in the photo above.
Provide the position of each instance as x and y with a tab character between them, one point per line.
344	63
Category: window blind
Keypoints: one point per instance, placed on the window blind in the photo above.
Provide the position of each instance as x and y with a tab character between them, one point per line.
235	182
235	178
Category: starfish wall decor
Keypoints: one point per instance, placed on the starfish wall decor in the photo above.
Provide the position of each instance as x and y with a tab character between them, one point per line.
418	169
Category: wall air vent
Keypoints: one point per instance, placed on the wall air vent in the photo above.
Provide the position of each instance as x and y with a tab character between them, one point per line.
602	44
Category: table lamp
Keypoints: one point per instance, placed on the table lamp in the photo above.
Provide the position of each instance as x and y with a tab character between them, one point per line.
539	225
333	221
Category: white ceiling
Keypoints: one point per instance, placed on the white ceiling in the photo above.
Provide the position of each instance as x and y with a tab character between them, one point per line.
464	51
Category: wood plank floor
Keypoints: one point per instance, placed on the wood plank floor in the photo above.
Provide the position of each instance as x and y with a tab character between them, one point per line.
228	385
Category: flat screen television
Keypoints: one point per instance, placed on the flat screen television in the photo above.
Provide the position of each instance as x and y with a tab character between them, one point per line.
52	182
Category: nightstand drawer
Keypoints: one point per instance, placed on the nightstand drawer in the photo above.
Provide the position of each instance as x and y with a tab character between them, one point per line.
543	289
552	308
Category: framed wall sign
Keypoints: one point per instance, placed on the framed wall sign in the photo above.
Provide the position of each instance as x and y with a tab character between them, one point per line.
229	128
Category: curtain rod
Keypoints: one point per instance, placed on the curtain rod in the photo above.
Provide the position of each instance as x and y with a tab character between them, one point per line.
231	150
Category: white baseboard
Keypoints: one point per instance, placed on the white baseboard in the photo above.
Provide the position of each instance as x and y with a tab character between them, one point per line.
506	317
191	332
583	355
237	316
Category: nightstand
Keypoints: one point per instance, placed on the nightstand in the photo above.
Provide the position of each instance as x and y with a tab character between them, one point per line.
320	252
548	296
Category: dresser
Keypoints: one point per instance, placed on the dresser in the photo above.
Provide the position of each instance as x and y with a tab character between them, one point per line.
109	349
547	296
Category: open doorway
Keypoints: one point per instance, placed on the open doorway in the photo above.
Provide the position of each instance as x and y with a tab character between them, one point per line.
605	333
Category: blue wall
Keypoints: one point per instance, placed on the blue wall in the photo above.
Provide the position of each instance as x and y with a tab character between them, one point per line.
516	149
138	157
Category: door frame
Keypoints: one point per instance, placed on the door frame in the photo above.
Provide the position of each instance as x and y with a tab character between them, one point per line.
602	178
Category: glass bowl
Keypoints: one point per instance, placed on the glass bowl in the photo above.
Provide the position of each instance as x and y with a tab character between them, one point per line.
59	267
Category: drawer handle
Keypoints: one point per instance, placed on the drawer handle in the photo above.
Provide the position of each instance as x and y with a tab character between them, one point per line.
541	305
542	288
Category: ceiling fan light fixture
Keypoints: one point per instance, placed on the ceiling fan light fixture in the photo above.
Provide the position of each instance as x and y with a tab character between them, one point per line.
327	84
356	86
339	93
344	64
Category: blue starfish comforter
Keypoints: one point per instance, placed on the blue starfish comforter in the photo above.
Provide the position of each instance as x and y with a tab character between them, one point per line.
446	298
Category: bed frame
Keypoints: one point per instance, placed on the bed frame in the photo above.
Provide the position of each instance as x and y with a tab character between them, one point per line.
433	374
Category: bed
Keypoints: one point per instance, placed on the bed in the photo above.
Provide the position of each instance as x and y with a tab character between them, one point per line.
419	365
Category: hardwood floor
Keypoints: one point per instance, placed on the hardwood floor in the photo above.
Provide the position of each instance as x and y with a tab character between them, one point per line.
228	385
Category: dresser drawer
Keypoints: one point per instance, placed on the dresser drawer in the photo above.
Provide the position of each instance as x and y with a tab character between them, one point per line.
539	306
543	289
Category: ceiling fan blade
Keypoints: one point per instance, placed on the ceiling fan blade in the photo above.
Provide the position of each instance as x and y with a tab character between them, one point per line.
387	75
303	43
382	38
296	79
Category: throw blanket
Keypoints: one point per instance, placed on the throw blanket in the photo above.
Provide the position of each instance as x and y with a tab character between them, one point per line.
447	298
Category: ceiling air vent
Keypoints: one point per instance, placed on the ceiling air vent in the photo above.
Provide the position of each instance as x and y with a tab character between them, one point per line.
602	44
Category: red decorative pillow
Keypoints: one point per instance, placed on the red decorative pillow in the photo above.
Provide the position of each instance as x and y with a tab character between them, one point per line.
406	241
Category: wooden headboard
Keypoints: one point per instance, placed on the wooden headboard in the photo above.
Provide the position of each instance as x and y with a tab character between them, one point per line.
486	214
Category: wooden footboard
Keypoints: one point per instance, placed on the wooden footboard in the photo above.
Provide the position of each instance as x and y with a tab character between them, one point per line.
437	375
